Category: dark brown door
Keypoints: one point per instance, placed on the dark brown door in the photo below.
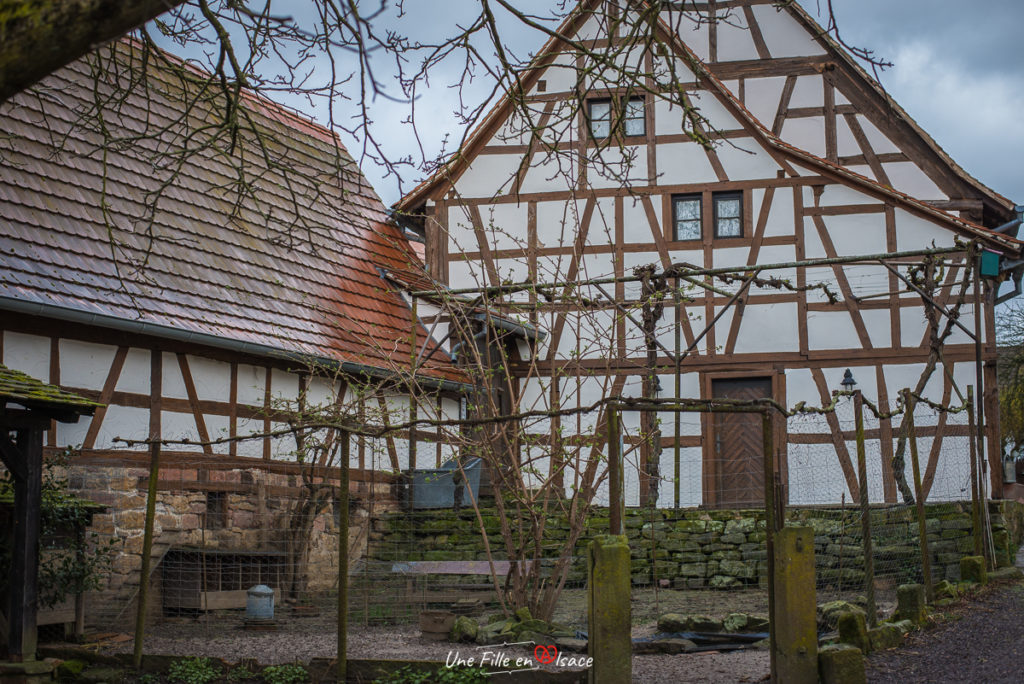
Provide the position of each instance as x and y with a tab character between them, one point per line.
738	446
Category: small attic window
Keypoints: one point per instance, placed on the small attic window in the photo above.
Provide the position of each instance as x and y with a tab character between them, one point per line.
633	116
542	86
600	115
728	214
608	116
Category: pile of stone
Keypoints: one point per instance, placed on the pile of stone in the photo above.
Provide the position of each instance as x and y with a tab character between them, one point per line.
679	633
520	627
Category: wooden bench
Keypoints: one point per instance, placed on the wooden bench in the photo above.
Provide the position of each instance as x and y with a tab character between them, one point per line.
412	570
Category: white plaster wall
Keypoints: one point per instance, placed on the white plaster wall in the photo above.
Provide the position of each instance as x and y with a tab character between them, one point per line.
880	142
284	386
846	143
780	217
561	75
917	233
636	226
82	364
717	116
761	97
179	426
690	31
745	159
218	427
252	448
807	133
489	174
602	223
73	434
909	178
815	475
668	117
808	92
609	168
212	378
320	392
461	236
783	35
681	163
766	328
135	373
28	353
503	225
282	448
251	384
831	330
734	39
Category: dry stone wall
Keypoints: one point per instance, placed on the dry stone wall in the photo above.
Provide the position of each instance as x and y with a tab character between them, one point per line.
692	548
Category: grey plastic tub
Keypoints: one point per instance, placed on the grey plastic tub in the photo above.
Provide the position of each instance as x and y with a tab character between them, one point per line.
435	487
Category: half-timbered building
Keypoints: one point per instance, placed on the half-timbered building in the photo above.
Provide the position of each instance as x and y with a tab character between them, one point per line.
717	135
201	301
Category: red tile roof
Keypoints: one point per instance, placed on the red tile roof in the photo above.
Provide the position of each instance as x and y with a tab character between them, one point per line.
293	263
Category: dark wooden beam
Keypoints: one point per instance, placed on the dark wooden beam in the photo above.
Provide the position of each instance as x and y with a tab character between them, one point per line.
21	616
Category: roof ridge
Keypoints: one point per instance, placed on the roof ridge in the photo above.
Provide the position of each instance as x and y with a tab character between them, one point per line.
804	16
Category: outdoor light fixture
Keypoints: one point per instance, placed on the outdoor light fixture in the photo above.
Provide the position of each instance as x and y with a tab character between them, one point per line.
848	382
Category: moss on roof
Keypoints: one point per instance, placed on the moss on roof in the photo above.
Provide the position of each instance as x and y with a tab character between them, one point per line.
23	389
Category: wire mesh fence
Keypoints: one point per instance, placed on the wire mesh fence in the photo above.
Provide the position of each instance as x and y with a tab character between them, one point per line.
221	532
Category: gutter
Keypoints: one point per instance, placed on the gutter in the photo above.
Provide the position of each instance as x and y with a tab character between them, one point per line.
65	313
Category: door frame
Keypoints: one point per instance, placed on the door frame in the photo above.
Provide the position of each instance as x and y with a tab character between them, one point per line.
709	473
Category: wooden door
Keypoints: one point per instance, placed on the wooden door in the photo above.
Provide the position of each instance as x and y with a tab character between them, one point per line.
738	445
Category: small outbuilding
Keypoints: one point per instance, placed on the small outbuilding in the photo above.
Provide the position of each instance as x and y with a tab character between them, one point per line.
27	407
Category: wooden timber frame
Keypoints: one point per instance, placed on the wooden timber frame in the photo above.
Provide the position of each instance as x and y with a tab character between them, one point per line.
27	408
774	365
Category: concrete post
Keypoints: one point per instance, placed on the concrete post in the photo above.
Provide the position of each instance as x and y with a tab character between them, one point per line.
795	625
610	643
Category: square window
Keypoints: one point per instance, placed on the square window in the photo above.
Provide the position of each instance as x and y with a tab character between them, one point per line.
216	510
686	214
728	214
600	115
633	116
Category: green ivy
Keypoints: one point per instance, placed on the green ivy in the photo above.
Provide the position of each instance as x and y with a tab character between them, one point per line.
193	671
292	673
444	675
70	563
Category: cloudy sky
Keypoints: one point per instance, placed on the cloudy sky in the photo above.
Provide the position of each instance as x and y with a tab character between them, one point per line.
956	71
959	76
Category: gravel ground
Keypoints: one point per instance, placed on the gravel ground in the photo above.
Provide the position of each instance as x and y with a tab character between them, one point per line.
301	639
982	640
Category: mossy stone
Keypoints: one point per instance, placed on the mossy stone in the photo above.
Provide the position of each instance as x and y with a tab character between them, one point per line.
672	622
972	569
465	629
853	630
884	637
841	664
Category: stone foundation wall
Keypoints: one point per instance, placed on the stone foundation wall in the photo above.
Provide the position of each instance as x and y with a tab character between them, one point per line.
694	548
256	519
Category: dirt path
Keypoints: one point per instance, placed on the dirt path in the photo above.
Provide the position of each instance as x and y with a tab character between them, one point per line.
980	641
